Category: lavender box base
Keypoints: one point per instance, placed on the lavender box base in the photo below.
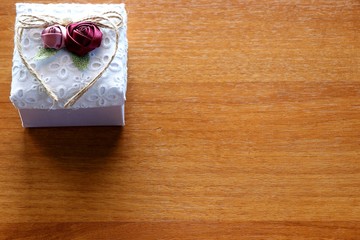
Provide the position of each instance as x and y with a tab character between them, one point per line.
105	116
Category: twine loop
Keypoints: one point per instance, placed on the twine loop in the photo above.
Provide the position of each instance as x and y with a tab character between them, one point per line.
110	20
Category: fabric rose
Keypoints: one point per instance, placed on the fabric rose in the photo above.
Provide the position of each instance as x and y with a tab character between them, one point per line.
82	37
54	37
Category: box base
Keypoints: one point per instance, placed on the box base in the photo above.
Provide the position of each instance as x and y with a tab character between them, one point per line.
105	116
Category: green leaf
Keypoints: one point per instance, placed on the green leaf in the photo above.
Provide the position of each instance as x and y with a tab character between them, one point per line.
80	62
45	53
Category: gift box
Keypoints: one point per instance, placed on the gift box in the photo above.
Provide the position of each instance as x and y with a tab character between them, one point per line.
77	77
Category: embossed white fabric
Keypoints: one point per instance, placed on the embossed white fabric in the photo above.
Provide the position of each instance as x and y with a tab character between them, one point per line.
59	72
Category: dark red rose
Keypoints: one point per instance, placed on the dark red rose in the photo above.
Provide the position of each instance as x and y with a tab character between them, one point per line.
82	37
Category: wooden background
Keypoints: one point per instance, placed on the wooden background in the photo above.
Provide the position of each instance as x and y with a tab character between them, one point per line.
243	122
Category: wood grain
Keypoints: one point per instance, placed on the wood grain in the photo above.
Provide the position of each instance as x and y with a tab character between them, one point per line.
243	122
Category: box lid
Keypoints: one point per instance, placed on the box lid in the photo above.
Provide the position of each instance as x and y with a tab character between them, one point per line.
59	72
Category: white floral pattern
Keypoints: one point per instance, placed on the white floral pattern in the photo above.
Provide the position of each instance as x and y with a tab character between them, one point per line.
104	96
58	71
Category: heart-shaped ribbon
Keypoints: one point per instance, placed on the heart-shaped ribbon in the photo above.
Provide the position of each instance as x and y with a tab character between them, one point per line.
111	20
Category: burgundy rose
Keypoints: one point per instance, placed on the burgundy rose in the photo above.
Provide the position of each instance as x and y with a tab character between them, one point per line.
82	37
54	37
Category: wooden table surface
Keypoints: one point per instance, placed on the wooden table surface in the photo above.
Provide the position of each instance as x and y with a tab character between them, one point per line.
243	122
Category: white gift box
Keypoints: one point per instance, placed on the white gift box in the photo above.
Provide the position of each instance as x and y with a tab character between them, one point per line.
102	104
